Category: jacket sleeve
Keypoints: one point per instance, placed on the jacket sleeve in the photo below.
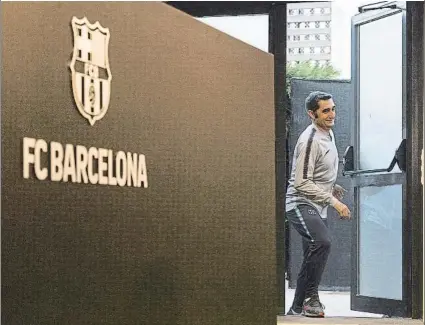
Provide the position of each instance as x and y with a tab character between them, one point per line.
307	155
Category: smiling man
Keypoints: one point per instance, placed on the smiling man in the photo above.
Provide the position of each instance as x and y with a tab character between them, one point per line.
311	190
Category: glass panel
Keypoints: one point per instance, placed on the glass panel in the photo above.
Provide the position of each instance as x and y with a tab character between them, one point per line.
251	29
381	92
380	242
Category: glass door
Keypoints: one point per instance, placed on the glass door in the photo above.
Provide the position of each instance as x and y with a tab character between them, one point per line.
375	162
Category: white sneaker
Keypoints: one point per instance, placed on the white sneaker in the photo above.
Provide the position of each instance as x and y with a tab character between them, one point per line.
292	312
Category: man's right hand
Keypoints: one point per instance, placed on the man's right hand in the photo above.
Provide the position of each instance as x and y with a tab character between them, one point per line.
343	210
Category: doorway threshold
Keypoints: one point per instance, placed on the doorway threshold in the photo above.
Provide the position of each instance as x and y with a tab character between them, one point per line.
337	304
299	320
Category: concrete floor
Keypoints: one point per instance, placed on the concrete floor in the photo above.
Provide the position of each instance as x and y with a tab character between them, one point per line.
337	304
299	320
338	312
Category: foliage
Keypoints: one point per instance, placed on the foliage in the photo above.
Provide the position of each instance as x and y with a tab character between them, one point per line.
307	70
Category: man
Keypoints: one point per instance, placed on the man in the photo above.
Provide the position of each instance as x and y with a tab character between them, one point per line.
311	190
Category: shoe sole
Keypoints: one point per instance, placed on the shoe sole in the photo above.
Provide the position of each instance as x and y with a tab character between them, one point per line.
293	314
320	315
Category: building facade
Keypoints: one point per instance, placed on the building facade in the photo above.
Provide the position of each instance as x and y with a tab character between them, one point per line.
309	32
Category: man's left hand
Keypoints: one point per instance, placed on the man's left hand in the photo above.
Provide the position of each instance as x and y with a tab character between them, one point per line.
338	192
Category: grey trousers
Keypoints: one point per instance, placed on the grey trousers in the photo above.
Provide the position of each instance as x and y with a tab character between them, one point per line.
316	246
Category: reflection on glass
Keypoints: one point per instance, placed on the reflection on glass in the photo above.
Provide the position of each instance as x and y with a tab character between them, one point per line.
380	242
381	101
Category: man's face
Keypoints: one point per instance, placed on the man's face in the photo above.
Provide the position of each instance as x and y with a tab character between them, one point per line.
324	117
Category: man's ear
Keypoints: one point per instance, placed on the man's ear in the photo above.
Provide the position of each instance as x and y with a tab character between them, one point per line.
311	114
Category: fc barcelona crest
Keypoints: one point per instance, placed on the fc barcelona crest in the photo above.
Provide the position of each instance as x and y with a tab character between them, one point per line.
91	75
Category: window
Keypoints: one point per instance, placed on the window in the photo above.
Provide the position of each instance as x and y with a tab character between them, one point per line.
88	35
328	37
307	25
301	50
79	32
307	37
291	12
317	24
291	51
79	54
311	50
311	11
297	37
89	56
322	11
328	24
317	37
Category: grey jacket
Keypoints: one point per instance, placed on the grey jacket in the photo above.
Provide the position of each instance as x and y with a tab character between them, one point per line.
314	170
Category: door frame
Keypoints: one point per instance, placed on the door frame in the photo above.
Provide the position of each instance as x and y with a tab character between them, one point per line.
389	307
277	47
414	120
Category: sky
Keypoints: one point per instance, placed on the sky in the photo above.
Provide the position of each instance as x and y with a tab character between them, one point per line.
253	30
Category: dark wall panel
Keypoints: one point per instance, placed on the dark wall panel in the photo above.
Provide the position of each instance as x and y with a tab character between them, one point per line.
337	272
195	247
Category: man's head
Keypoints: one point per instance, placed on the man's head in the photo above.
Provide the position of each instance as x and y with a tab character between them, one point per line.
321	109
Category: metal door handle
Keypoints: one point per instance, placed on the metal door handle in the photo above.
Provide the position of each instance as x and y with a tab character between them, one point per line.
399	159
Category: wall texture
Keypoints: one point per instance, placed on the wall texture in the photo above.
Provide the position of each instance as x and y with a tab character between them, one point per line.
338	270
195	247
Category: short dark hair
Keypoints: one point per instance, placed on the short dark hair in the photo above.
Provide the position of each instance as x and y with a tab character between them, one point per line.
312	100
